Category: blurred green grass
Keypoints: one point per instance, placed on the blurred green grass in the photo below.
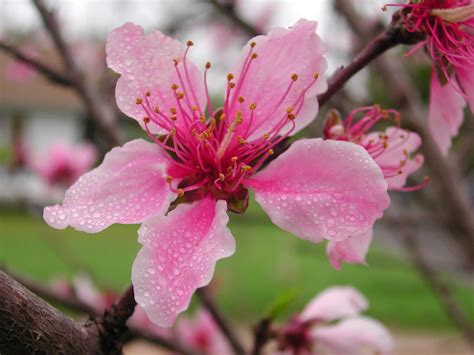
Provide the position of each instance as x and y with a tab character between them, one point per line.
267	263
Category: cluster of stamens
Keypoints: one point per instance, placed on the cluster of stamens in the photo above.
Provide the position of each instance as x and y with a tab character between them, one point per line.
217	152
449	31
356	127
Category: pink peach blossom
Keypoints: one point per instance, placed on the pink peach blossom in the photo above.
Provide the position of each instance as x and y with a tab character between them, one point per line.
393	150
62	163
202	334
448	26
205	164
331	324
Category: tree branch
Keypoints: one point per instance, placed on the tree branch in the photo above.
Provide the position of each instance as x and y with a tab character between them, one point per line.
440	288
50	73
76	305
261	336
100	113
208	301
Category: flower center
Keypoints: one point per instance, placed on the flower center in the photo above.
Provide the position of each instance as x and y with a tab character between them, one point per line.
215	152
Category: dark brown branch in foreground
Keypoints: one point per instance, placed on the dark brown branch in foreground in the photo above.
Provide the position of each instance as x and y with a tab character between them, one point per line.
208	302
30	325
440	288
50	73
74	304
100	113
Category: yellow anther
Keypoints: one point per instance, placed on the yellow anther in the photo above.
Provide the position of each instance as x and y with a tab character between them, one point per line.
266	136
180	95
405	152
189	43
291	116
146	120
239	119
232	85
222	177
138	101
180	192
316	76
148	93
294	77
254	56
230	76
173	110
202	118
290	109
169	178
270	152
241	140
253	106
173	118
246	168
173	132
174	87
385	145
157	109
241	99
222	117
208	65
253	44
234	159
194	108
175	61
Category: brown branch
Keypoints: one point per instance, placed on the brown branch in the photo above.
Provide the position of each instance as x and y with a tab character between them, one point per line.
100	113
50	73
75	304
208	301
228	10
449	182
262	335
30	325
440	288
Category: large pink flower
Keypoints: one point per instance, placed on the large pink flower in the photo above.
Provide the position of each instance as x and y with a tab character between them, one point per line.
63	163
204	163
448	27
394	150
314	331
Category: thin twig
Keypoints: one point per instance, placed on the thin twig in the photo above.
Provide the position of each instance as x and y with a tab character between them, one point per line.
101	114
261	336
228	10
208	301
440	288
50	73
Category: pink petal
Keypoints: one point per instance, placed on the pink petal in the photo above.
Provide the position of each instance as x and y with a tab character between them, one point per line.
465	78
178	256
445	113
399	142
335	303
202	334
322	189
146	63
281	53
353	335
126	188
351	250
87	293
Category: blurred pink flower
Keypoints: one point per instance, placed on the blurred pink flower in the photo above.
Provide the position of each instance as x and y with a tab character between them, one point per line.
331	324
63	163
21	72
202	334
208	163
393	150
448	26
